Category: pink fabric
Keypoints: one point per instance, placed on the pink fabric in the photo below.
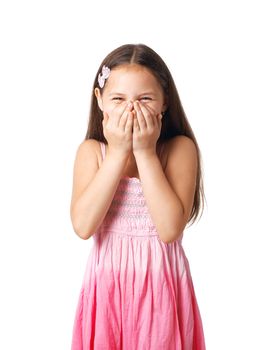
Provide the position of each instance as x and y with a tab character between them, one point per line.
137	291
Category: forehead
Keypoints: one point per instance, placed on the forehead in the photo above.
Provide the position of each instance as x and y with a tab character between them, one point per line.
134	75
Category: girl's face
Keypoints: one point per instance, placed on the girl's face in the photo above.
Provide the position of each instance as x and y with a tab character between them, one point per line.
130	83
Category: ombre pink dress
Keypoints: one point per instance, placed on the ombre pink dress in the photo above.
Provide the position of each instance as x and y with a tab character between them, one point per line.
137	291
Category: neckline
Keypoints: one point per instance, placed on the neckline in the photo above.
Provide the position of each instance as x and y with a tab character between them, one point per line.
133	178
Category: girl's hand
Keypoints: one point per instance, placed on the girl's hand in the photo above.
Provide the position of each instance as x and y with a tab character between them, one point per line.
146	128
117	128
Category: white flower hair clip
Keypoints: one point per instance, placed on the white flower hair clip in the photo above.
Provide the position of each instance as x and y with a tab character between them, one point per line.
102	77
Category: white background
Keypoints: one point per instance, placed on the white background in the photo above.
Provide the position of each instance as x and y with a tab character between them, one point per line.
224	58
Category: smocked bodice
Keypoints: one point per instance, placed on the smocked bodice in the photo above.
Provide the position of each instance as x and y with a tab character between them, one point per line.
128	212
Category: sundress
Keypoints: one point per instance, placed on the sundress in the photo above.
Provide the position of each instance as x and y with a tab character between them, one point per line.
137	291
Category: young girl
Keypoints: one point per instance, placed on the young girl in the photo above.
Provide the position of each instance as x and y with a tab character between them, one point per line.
137	183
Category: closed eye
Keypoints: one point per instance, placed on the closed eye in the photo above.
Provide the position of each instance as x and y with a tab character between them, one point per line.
142	98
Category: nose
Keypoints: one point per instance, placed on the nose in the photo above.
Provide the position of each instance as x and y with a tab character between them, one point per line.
131	104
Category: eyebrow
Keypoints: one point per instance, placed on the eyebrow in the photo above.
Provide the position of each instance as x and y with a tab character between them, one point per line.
144	93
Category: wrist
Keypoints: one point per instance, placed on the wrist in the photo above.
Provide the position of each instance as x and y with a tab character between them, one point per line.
145	153
117	153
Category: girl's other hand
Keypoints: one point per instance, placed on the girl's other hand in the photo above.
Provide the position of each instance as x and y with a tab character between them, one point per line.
146	128
117	128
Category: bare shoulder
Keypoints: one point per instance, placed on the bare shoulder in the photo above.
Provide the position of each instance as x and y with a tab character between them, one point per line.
181	171
179	148
89	150
86	164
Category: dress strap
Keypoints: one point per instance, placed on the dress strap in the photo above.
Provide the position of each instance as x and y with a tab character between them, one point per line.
103	147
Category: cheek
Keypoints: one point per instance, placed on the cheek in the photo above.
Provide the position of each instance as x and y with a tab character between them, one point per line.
108	107
154	106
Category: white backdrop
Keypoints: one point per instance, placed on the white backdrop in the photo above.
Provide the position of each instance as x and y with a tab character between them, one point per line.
224	59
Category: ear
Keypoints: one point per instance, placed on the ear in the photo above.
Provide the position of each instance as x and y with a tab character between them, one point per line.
165	105
98	95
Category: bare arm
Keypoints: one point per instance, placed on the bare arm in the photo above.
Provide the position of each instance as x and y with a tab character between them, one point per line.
169	196
93	187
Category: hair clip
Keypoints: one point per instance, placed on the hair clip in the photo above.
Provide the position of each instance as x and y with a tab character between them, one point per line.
104	76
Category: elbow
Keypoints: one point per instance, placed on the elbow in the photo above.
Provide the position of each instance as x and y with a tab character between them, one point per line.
83	234
81	231
165	240
169	240
79	228
171	236
172	229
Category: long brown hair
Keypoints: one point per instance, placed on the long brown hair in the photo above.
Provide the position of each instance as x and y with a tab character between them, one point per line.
174	122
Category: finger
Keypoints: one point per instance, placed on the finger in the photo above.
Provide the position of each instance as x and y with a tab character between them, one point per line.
158	118
129	123
148	115
124	116
123	119
136	126
119	111
151	110
140	117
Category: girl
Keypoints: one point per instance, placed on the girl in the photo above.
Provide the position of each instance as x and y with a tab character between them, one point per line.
137	183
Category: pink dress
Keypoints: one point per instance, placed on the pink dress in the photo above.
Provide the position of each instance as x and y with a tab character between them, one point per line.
137	291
